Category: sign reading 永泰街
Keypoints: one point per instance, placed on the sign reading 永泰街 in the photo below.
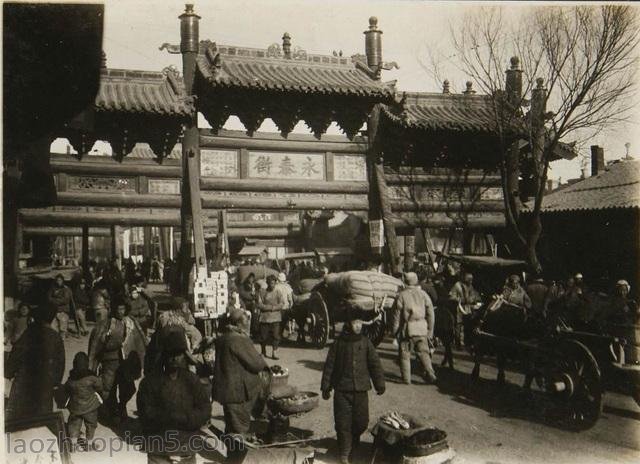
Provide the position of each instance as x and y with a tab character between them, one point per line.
218	163
272	165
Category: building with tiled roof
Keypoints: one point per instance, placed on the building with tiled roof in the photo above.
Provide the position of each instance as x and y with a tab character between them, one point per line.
142	92
617	187
592	226
228	67
133	107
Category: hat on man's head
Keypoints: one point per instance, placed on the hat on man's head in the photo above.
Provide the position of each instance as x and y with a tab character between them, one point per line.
235	316
578	276
282	277
411	278
175	343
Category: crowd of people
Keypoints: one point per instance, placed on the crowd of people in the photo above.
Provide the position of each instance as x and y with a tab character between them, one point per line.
183	372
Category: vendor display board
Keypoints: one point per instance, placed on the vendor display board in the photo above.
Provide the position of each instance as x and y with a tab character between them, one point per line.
211	295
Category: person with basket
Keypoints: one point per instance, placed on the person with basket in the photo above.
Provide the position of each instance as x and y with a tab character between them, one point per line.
352	364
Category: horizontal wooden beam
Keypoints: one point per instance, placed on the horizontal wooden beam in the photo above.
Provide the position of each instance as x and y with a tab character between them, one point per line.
253	224
280	203
278	143
66	231
108	166
75	218
39	219
260	185
451	206
257	232
412	179
442	220
131	200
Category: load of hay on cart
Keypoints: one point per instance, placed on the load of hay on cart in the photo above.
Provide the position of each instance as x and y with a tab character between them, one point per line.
324	302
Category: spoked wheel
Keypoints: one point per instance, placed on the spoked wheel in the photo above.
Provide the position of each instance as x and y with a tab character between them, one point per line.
317	321
376	330
572	378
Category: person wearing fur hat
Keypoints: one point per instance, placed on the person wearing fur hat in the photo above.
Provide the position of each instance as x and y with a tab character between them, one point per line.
173	401
413	325
237	367
352	365
84	390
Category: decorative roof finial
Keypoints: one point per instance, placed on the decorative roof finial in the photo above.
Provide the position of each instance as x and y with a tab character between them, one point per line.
469	90
103	60
540	83
286	45
445	86
515	62
373	47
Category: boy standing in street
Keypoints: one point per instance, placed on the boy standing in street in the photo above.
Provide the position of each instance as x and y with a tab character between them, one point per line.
352	364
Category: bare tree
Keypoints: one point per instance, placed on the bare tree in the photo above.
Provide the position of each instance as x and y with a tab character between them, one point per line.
580	62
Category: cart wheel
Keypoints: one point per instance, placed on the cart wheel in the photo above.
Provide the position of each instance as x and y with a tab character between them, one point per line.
376	331
573	380
317	321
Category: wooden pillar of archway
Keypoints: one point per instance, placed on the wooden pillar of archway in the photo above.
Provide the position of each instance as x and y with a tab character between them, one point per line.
379	195
191	227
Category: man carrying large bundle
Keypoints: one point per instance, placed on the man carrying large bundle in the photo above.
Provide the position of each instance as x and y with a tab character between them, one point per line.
413	324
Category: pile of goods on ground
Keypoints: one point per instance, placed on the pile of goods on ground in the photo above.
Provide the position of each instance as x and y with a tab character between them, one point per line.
279	371
365	289
394	419
405	435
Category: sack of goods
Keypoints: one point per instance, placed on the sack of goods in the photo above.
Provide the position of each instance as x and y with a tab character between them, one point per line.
307	285
366	289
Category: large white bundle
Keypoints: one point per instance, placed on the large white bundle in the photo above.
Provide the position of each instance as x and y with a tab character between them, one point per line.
364	288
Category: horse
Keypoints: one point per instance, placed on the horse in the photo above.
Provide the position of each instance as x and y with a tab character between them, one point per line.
503	320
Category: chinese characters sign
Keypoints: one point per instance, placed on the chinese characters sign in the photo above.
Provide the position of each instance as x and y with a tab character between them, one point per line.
271	165
218	163
165	186
349	167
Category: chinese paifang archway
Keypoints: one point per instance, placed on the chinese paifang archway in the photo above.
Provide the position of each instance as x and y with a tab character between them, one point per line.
428	162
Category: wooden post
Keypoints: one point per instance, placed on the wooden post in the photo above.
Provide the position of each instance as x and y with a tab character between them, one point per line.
191	217
85	250
379	196
147	238
409	251
114	243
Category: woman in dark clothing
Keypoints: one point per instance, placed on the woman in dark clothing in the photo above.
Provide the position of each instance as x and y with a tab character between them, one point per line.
36	365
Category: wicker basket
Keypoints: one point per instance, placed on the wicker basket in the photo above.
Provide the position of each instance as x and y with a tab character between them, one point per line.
433	440
284	406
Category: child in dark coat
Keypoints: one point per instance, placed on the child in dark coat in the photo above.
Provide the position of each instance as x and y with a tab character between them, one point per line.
352	364
84	389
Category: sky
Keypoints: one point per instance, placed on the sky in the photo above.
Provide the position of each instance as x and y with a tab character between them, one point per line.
134	30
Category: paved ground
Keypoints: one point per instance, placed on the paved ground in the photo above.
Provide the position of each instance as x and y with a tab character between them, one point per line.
484	424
